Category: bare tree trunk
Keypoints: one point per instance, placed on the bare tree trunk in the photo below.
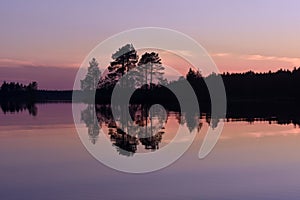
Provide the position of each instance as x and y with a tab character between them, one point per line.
151	73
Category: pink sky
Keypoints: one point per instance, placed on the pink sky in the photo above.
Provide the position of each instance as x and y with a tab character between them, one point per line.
47	40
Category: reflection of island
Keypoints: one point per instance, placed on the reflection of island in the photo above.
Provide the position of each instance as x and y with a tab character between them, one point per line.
88	116
17	106
147	126
16	97
152	142
125	143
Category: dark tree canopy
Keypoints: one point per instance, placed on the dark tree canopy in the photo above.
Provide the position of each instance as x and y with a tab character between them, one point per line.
17	87
124	60
150	68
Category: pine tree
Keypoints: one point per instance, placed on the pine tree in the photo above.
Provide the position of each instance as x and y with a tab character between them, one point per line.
124	60
92	77
150	68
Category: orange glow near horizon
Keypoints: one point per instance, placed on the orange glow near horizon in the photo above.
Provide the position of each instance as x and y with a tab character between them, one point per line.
225	62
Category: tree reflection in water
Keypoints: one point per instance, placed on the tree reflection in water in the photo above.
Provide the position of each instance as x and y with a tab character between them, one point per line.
18	106
88	116
147	126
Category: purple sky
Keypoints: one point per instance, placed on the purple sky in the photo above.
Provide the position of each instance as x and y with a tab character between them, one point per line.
47	40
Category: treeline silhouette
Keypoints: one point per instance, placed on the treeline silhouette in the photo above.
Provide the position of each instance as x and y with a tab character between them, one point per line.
278	89
14	91
279	85
16	97
282	84
258	94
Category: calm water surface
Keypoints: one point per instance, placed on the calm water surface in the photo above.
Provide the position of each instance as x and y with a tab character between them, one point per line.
42	157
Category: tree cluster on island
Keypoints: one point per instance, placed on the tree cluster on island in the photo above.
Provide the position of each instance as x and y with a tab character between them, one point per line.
143	71
147	77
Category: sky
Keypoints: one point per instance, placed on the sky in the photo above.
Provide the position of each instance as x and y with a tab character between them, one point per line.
46	41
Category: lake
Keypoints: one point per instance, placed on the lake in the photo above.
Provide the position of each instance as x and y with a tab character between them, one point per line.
42	157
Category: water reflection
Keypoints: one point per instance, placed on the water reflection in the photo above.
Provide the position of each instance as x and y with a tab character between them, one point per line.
91	122
146	126
38	150
18	106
